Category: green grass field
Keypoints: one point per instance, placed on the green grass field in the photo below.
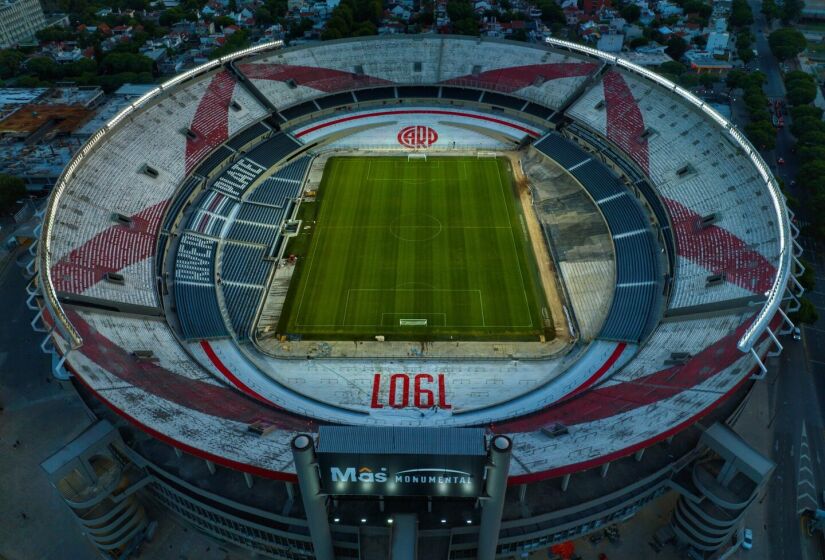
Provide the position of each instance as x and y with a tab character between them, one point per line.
414	250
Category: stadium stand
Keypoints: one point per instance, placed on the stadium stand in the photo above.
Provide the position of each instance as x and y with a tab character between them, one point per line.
196	300
183	194
284	184
637	179
252	232
243	264
676	341
241	303
247	136
150	338
91	240
293	77
699	177
273	150
243	274
260	214
579	240
213	161
638	278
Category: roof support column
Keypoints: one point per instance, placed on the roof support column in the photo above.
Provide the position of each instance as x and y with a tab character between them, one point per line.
303	452
501	448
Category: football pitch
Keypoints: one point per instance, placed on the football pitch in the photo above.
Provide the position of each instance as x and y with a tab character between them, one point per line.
417	250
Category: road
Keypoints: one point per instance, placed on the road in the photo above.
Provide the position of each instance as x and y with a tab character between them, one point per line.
774	89
796	386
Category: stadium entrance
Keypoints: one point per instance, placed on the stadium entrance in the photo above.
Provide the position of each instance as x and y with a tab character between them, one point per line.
369	463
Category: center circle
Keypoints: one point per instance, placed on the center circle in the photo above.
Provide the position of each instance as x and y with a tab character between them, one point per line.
416	227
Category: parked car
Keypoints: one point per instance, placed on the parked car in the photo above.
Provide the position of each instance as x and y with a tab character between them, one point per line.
797	334
747	539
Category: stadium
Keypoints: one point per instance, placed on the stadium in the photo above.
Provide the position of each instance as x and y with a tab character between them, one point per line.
418	242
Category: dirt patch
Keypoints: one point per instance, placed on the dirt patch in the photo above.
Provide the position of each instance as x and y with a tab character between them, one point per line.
547	268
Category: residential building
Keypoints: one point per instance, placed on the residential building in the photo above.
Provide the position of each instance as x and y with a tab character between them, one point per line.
19	21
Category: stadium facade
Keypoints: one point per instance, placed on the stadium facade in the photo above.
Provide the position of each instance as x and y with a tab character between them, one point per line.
158	279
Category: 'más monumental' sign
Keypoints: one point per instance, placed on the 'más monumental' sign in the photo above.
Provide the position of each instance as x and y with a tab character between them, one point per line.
372	461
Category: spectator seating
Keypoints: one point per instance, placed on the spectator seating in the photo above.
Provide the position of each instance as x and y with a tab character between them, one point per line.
634	308
246	136
722	218
284	184
244	264
110	213
195	296
294	76
241	303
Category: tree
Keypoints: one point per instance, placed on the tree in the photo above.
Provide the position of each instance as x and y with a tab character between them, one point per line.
54	34
223	21
811	152
762	134
44	68
791	10
117	62
12	189
803	111
10	61
806	125
518	35
808	278
353	18
811	175
263	16
806	314
707	80
771	10
741	14
688	80
551	12
235	42
676	48
631	13
801	94
672	67
735	79
787	42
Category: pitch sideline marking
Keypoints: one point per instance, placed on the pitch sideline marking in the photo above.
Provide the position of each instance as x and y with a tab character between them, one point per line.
515	249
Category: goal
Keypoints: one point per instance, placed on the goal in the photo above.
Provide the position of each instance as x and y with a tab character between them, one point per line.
411	157
484	155
412	322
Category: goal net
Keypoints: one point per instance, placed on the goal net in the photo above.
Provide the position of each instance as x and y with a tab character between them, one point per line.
412	322
411	157
482	155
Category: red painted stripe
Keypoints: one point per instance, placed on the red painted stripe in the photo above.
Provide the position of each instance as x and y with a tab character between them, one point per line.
211	119
111	250
327	80
218	400
418	112
584	465
712	248
216	361
512	481
201	454
719	251
611	360
514	78
625	122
